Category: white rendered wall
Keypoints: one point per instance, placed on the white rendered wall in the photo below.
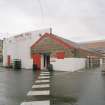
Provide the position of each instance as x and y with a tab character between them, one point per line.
101	61
68	64
19	47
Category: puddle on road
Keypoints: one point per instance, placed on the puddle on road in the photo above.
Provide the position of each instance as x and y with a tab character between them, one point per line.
63	100
78	88
14	85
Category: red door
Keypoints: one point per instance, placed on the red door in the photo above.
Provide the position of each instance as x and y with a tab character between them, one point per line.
8	60
37	60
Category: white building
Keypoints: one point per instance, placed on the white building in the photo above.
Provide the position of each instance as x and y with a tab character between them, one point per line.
18	47
42	48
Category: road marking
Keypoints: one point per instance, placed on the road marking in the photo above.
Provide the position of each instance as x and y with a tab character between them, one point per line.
33	93
46	102
41	86
45	74
42	81
44	77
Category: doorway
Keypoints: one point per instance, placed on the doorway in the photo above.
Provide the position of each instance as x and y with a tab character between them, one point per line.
46	60
8	60
37	61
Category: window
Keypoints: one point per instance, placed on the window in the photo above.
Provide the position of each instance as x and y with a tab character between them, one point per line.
60	55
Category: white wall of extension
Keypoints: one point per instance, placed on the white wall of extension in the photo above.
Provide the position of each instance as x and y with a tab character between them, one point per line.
68	64
19	47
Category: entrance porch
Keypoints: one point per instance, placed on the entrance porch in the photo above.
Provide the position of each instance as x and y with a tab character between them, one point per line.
41	60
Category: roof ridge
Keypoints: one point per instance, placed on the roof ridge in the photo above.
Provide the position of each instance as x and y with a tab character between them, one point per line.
94	41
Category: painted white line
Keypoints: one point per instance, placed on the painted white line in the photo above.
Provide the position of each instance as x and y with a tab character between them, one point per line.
42	81
47	102
41	86
33	93
44	77
45	74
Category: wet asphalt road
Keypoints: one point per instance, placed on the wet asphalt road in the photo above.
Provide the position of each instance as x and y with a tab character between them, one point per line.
79	88
86	87
14	85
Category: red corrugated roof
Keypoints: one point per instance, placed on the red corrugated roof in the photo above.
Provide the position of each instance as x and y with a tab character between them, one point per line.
64	42
98	46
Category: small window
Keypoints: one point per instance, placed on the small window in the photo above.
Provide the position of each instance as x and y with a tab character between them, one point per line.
60	55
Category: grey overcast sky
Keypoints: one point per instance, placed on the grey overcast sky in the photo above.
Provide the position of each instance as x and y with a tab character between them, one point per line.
76	20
